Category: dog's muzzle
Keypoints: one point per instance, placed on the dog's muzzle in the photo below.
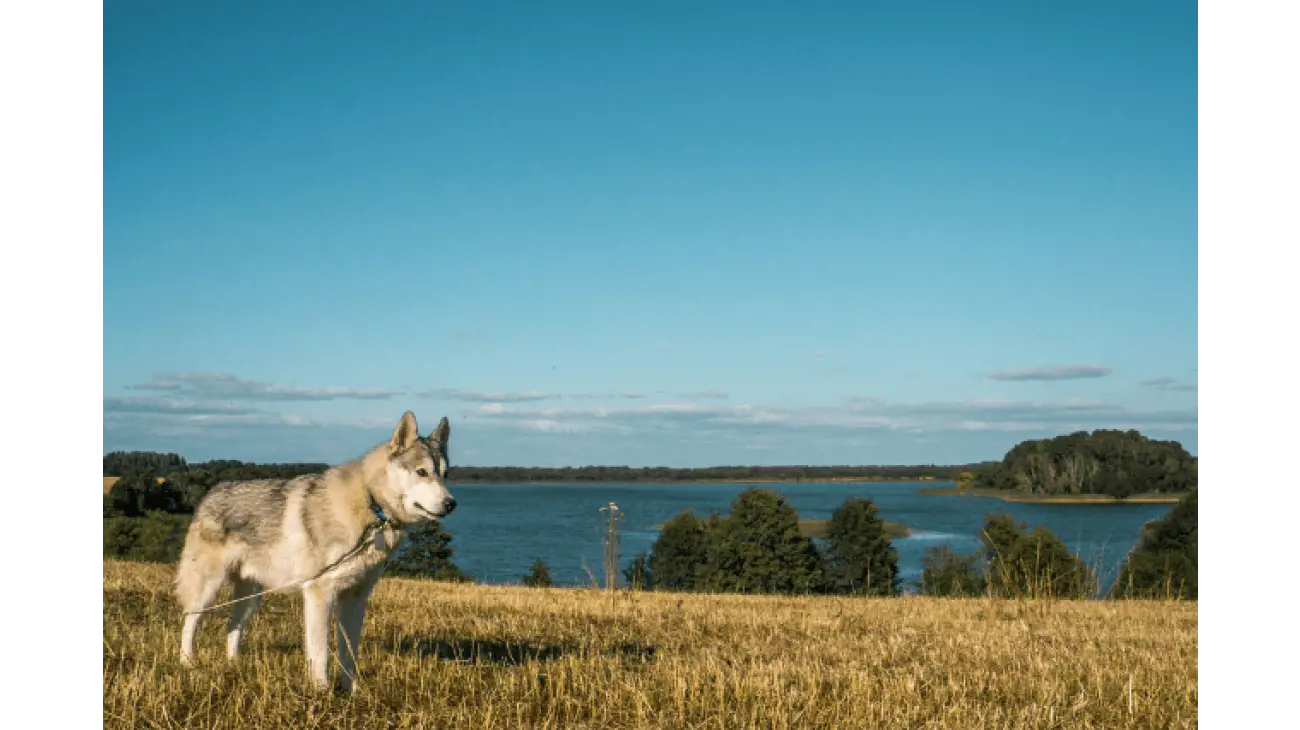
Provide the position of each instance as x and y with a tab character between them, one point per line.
448	505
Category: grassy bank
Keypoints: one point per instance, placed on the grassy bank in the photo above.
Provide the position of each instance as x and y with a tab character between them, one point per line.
1094	499
441	655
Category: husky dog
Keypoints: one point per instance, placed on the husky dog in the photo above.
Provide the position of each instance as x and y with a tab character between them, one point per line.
280	534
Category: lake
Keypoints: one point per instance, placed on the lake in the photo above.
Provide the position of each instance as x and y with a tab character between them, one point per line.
500	529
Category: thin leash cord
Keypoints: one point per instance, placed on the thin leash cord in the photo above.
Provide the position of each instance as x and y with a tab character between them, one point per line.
360	546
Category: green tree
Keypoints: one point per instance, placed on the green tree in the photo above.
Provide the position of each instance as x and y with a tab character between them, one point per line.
761	549
427	553
1110	462
712	571
1033	564
139	493
945	573
679	554
539	576
637	574
155	538
191	486
1163	563
125	497
860	558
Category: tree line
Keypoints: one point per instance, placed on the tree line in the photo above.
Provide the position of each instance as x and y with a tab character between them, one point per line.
620	474
121	463
1110	462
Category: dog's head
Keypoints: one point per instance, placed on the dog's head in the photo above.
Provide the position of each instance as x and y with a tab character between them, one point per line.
417	471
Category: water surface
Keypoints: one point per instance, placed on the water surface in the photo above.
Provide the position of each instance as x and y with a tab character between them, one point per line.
499	529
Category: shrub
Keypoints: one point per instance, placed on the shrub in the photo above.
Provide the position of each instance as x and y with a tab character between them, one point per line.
637	574
945	573
539	576
1163	563
1032	564
155	538
426	553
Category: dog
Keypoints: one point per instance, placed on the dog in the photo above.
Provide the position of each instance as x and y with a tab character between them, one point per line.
282	534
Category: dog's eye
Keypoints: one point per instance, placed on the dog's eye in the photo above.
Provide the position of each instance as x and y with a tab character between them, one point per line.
422	472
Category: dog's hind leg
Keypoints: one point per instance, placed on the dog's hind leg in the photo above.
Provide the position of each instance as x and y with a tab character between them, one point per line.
351	615
318	604
240	614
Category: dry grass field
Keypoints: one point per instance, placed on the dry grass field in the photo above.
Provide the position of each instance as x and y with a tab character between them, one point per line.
461	656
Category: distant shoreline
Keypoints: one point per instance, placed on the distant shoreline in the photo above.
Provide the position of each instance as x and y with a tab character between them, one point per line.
110	481
763	480
1088	499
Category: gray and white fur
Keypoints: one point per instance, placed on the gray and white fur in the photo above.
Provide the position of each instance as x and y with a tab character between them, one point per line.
272	533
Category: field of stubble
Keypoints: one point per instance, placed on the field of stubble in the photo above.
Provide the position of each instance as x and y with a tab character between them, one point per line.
459	656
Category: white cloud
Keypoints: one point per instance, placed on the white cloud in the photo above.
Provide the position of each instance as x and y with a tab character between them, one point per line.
226	386
207	413
476	396
705	395
1053	372
171	405
1060	416
1168	383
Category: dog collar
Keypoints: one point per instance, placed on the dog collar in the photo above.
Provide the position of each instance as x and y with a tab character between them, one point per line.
379	514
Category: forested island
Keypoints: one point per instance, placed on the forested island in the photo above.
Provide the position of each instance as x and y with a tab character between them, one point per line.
1104	463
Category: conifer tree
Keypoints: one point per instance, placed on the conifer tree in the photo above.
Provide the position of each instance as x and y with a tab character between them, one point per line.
426	553
860	557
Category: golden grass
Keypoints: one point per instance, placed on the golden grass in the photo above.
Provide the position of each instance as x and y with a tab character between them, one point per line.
464	656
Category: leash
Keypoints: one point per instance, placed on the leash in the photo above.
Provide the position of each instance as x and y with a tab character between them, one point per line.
366	536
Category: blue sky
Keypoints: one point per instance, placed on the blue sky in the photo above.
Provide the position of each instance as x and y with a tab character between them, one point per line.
678	234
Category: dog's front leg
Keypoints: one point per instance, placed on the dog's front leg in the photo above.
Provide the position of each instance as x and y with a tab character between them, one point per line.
318	605
352	614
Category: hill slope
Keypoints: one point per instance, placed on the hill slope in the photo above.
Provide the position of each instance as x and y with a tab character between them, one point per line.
444	655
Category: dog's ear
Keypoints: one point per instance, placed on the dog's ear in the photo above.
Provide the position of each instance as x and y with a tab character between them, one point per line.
405	434
442	432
